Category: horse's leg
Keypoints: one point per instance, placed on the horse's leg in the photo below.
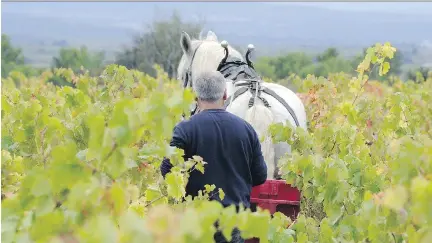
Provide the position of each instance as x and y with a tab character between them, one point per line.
281	149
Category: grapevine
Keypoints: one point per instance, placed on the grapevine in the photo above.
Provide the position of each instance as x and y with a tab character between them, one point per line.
80	163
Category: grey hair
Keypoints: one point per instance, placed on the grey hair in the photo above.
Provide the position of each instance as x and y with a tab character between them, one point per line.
210	86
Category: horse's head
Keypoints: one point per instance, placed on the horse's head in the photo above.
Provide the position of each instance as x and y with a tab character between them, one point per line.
201	55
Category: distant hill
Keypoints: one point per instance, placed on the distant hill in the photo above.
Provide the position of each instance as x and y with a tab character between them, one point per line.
269	26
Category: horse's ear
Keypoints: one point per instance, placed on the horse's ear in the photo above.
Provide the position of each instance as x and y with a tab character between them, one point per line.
186	43
201	35
211	36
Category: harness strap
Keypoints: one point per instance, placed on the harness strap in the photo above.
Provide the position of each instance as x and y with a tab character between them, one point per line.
252	101
247	72
236	69
236	94
282	101
270	92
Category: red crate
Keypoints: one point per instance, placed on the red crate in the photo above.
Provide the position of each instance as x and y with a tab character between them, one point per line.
275	196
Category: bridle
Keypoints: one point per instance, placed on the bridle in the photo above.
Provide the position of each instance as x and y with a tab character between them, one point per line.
187	76
187	79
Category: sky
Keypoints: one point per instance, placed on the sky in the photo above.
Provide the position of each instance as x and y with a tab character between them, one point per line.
398	7
393	7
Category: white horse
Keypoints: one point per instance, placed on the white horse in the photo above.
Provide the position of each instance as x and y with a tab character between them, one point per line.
205	54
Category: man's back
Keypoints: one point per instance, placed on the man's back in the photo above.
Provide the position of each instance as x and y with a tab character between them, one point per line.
232	150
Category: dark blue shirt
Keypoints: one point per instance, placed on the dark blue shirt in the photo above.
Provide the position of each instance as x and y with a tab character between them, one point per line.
232	150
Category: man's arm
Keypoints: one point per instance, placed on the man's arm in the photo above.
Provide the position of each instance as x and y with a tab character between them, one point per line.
259	167
178	140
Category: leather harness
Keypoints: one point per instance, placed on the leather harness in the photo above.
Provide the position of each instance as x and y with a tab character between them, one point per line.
236	70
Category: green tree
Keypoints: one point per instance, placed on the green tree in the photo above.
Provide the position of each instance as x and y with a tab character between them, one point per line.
332	65
328	54
282	66
302	64
79	59
263	66
330	62
11	56
159	44
420	74
13	60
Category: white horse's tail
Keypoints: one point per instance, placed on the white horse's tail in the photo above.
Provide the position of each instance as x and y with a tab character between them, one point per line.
260	117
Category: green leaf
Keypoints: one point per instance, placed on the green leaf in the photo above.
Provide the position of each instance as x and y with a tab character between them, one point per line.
152	193
326	233
6	142
101	228
118	197
132	227
47	224
8	228
61	154
176	185
221	194
395	197
191	224
209	188
200	166
302	237
97	128
116	164
228	221
384	68
41	186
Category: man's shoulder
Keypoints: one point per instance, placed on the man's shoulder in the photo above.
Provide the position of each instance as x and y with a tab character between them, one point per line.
241	123
204	116
190	122
182	124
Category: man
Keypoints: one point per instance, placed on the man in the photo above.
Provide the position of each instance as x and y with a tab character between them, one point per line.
228	144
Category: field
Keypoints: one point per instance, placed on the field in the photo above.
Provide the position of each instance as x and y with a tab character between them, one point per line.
80	164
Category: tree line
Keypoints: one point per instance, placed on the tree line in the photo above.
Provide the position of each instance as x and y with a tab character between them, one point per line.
158	44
